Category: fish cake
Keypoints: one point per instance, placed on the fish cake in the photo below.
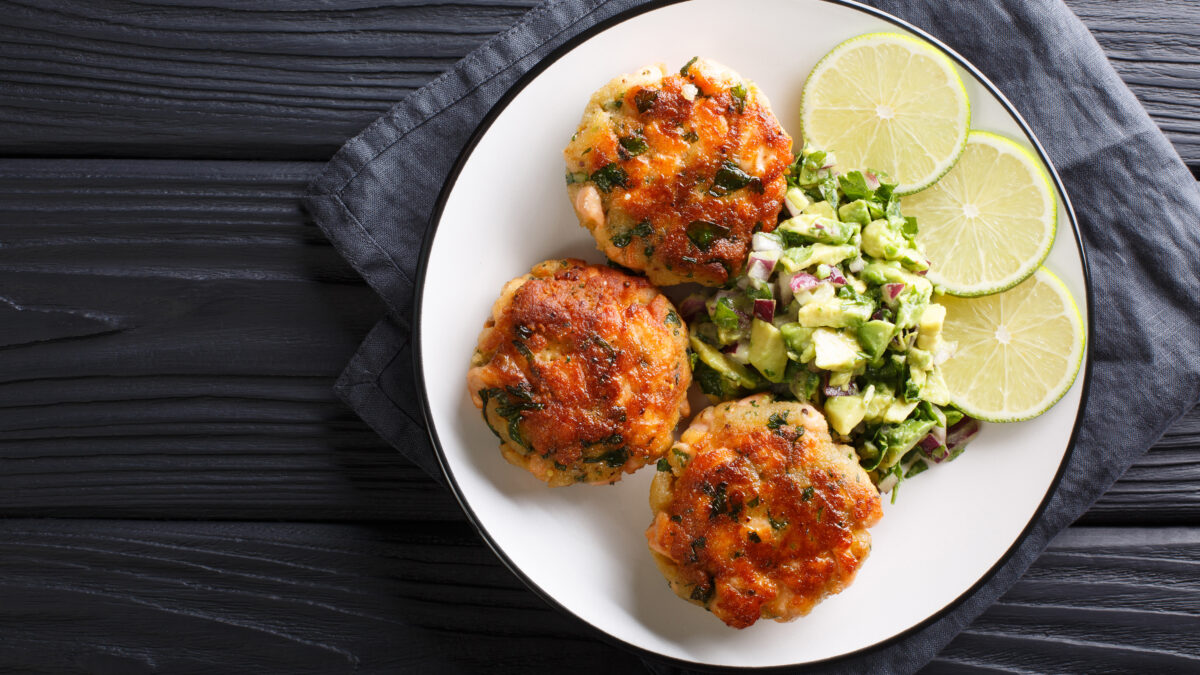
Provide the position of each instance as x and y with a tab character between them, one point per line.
581	372
758	513
673	172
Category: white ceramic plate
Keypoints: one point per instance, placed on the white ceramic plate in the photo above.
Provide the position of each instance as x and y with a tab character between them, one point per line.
583	547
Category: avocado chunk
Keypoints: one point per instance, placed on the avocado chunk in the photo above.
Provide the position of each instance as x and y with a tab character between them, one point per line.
767	351
900	439
798	340
898	411
834	312
856	211
803	383
879	273
796	200
808	227
874	337
844	412
878	402
836	351
935	390
727	367
881	240
801	257
919	359
929	329
823	209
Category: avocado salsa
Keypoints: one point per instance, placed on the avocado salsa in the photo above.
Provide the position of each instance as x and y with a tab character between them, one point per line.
833	308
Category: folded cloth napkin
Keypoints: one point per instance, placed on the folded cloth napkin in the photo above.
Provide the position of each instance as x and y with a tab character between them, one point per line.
1137	204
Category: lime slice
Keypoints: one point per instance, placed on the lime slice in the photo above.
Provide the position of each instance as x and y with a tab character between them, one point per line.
1018	351
890	103
989	223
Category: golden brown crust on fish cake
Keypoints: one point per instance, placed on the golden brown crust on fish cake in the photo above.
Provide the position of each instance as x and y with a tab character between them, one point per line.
674	172
761	514
582	372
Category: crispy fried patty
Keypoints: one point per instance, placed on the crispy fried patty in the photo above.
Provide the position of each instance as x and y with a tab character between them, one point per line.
581	372
759	513
674	172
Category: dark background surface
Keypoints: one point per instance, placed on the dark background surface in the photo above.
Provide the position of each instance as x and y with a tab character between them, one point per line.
179	489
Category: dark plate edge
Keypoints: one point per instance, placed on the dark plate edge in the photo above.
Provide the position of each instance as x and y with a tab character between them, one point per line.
423	396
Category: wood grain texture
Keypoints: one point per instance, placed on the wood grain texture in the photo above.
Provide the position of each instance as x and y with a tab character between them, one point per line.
169	335
130	597
293	80
1099	600
284	80
136	597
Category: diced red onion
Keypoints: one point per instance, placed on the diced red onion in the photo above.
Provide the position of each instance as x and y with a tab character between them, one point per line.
930	444
740	352
857	265
849	390
691	306
764	309
762	241
939	434
835	276
761	265
893	290
961	433
872	180
878	314
803	281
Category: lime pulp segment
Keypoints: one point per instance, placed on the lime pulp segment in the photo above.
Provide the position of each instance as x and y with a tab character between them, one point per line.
891	103
1018	352
990	221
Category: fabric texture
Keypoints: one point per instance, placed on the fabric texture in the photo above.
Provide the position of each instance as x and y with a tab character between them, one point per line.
1137	205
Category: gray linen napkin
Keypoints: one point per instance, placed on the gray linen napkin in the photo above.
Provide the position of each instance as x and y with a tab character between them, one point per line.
1138	209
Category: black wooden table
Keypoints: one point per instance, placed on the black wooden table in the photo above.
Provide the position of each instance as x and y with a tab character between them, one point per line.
180	490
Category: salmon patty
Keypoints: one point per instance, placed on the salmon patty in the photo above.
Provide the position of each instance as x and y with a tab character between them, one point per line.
674	172
581	372
758	513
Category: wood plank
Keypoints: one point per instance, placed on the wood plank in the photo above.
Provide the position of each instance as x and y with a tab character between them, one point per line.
1098	600
169	335
132	597
286	80
293	80
263	597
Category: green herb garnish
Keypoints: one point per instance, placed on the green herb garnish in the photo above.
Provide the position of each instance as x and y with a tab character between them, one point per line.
739	97
645	99
634	145
622	240
702	233
609	176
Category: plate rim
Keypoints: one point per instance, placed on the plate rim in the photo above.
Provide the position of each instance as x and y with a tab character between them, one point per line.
423	396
